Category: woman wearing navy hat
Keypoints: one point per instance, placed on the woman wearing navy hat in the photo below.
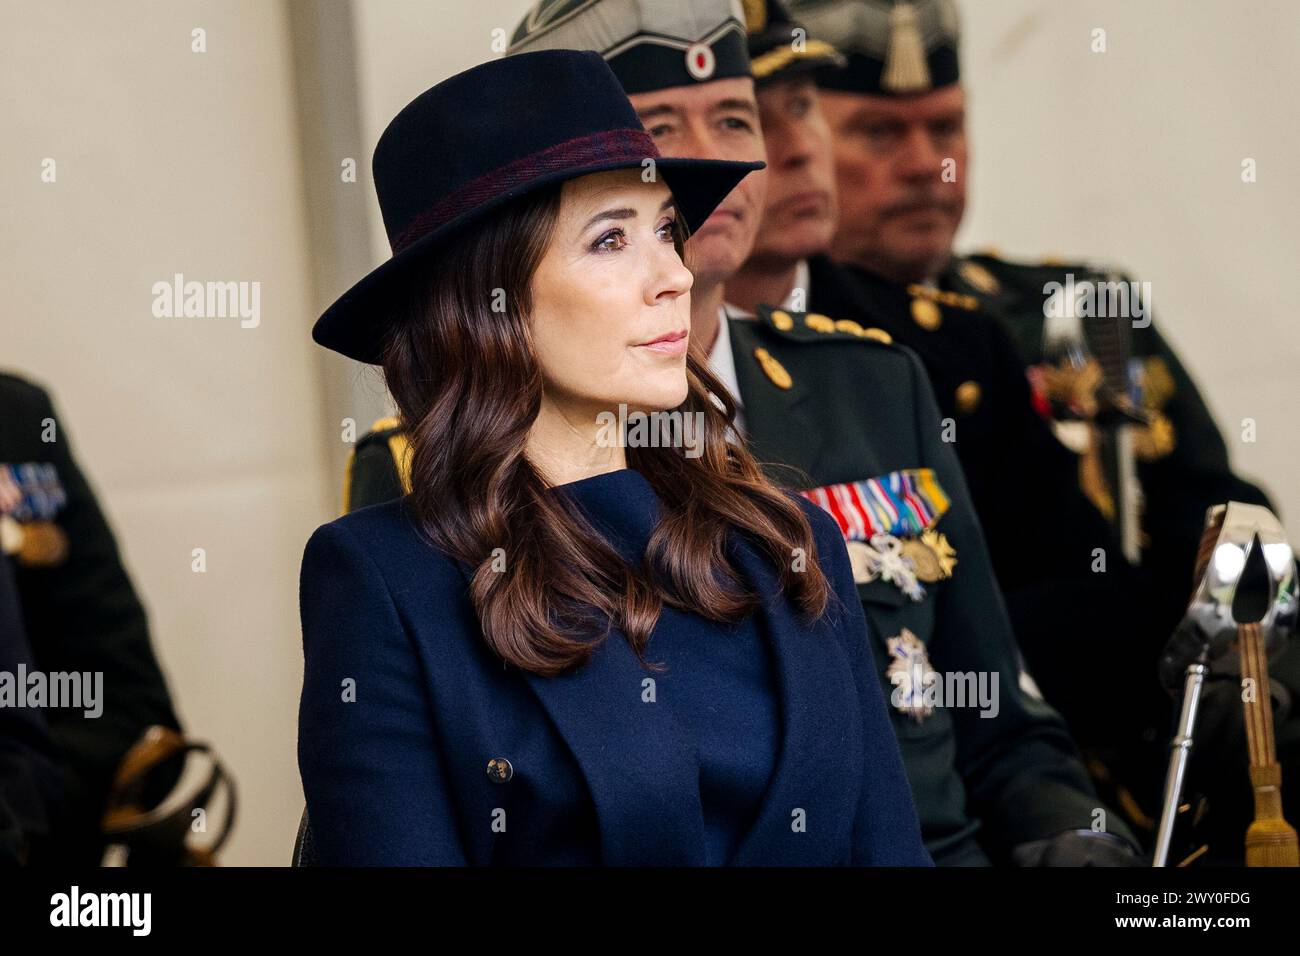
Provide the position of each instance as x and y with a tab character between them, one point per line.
593	633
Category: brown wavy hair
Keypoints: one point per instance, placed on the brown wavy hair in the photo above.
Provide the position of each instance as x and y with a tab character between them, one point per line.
468	388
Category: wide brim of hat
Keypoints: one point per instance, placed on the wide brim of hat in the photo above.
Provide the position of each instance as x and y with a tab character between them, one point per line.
357	324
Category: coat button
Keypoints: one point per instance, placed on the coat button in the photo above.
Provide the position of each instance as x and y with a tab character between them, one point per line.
499	770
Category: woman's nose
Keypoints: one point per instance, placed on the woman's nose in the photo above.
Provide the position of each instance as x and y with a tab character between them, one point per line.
671	280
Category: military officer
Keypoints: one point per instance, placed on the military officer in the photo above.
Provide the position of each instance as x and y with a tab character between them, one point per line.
1146	451
377	468
1149	454
80	613
1045	537
851	418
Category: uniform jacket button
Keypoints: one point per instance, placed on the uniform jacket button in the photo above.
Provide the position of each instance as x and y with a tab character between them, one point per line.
499	770
968	396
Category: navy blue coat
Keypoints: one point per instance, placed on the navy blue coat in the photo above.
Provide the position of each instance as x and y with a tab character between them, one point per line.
399	776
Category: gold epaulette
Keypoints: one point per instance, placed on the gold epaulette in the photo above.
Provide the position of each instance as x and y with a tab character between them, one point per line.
389	430
812	326
978	276
956	300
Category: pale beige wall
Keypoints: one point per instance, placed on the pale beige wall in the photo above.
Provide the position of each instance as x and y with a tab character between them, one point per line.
1134	156
406	46
198	433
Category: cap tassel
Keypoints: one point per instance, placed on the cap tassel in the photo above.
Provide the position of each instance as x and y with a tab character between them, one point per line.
906	69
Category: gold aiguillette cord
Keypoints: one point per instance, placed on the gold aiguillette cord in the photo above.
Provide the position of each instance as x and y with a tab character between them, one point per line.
1270	840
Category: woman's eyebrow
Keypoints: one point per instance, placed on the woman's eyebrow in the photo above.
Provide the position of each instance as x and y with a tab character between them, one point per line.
623	213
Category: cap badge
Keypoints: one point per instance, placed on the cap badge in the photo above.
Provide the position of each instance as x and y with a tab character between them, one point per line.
906	69
700	61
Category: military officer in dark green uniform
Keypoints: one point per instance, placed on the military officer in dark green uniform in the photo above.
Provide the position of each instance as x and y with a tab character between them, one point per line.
1143	447
1046	539
850	420
80	612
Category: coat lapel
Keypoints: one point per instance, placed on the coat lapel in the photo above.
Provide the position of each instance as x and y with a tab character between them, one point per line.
813	676
780	423
640	768
642	773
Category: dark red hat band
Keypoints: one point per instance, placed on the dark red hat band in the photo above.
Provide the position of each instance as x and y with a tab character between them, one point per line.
615	146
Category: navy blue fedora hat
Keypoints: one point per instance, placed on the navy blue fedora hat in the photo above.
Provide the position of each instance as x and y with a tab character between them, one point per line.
485	137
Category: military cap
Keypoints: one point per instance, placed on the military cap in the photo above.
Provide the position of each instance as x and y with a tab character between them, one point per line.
649	44
780	48
893	47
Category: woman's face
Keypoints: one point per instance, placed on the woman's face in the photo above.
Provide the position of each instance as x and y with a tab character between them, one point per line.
611	299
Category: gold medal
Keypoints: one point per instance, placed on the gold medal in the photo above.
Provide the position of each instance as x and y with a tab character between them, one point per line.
1156	439
773	369
923	559
1157	383
35	544
931	555
1073	387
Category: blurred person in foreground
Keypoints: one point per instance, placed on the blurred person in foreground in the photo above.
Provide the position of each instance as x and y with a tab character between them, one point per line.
81	615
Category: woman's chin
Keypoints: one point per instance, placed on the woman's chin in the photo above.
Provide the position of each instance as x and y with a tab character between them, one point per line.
654	393
661	400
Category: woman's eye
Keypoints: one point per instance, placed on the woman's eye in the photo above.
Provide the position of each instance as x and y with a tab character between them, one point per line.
611	241
666	232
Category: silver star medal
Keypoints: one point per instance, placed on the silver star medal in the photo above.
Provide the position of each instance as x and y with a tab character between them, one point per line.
883	558
910	673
